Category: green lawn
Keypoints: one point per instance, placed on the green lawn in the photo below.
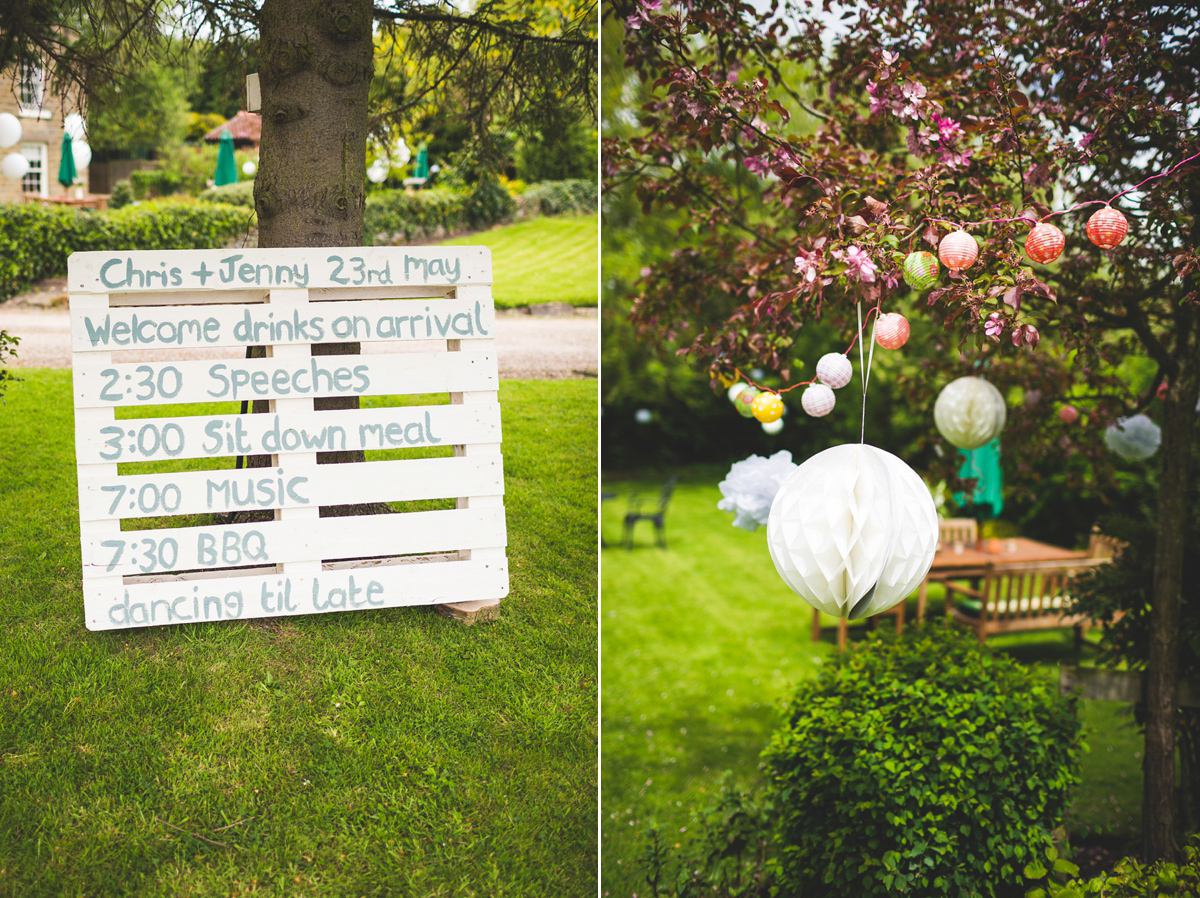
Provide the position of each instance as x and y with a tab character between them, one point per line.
542	260
703	642
388	752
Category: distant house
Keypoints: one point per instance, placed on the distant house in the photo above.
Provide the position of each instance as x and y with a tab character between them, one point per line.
24	92
245	128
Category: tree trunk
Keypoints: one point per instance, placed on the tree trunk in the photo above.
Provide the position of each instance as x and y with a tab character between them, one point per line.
316	62
1158	795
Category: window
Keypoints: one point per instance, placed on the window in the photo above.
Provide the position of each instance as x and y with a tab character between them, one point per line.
32	90
34	181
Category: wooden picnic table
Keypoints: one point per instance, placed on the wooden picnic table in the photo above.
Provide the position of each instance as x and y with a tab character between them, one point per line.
958	561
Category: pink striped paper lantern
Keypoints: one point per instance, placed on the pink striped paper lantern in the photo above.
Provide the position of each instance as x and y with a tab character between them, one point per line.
1107	227
958	250
891	330
818	400
835	370
1045	243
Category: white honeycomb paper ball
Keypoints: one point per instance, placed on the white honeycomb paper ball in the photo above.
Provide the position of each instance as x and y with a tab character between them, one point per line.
969	412
853	531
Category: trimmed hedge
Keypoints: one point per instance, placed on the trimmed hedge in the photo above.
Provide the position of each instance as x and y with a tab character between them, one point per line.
239	194
558	198
35	240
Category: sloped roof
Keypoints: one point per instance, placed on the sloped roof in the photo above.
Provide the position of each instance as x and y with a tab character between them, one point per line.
245	127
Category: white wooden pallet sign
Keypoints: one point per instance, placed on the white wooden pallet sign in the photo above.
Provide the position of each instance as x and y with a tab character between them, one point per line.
187	555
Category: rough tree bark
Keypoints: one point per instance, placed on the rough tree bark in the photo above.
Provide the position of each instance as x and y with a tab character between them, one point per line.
1179	434
315	67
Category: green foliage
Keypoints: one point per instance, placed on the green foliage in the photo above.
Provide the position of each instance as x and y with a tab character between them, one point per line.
558	198
488	204
394	217
200	123
151	182
138	113
922	764
727	855
564	151
1131	879
36	240
121	196
8	347
239	194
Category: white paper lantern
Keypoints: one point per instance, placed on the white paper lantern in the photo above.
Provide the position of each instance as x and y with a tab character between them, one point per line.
14	166
10	130
82	154
733	391
818	400
249	168
969	412
401	153
835	370
772	427
1133	438
377	173
853	531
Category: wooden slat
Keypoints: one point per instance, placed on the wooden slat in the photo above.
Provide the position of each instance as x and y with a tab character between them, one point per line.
117	553
155	383
151	271
101	439
287	486
188	327
182	600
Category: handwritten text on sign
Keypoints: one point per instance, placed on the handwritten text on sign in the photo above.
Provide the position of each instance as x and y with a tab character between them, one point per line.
431	307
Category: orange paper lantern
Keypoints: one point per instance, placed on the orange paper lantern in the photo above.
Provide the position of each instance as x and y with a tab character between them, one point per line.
1044	243
891	330
958	250
1107	227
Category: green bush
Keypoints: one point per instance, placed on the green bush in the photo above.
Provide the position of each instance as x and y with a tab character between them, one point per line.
121	196
922	765
397	216
558	198
239	194
1130	879
150	183
488	204
36	240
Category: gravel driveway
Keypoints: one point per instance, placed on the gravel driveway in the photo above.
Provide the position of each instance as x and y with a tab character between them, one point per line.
558	342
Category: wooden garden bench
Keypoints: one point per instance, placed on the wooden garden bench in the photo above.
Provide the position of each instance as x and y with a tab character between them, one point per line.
1019	595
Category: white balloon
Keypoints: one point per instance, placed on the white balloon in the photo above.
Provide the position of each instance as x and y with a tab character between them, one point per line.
969	412
73	125
10	130
643	416
249	168
377	173
1133	438
853	531
82	153
14	166
401	153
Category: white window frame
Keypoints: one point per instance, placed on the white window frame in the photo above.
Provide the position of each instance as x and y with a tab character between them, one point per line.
37	177
32	104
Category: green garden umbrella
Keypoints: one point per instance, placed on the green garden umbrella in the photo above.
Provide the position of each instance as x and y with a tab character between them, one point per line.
66	168
982	465
423	164
226	166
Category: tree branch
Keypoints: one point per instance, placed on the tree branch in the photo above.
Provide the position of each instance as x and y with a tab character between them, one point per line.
429	16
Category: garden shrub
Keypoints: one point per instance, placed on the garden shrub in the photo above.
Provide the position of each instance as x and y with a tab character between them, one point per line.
922	765
35	240
240	193
558	198
121	196
395	217
150	183
1131	879
488	204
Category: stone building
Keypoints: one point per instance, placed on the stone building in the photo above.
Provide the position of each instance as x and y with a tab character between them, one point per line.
25	92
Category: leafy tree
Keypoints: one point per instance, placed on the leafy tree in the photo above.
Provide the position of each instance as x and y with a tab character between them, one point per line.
933	117
139	113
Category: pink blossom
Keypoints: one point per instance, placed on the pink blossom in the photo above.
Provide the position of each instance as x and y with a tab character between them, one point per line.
994	326
757	164
889	57
948	128
806	265
858	264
